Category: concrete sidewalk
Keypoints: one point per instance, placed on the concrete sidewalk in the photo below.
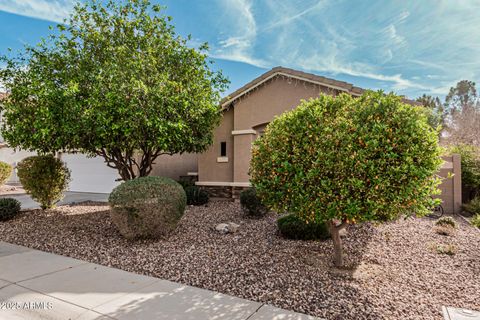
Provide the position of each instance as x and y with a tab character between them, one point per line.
70	197
38	285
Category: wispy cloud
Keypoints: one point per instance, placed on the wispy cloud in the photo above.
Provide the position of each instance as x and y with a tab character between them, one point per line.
51	10
242	34
413	47
382	43
287	19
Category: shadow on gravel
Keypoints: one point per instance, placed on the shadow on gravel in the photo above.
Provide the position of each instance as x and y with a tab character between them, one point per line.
255	263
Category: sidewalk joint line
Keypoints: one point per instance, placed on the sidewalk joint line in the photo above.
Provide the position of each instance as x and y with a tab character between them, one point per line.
49	273
261	305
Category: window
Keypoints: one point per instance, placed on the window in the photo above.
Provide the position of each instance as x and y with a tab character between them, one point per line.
223	149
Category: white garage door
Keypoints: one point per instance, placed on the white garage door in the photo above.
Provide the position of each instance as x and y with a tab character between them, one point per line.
90	174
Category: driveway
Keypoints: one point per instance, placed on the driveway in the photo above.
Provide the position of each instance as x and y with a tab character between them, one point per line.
70	197
37	285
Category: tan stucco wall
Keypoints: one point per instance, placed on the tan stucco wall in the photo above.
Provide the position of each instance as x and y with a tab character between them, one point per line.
451	186
175	166
208	167
257	108
272	99
242	153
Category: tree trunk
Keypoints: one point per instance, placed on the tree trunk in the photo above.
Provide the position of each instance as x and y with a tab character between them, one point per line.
127	164
337	242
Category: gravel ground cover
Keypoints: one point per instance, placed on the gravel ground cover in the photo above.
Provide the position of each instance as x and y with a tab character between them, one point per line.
395	271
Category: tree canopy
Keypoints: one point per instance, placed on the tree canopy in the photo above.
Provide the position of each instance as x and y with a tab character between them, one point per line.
116	81
461	97
434	108
345	160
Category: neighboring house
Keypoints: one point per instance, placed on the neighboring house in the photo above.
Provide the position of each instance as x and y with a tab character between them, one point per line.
223	168
93	175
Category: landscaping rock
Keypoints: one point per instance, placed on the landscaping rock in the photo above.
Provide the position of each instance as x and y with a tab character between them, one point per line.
233	227
392	271
222	227
227	227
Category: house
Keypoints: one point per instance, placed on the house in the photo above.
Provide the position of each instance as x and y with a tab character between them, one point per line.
223	168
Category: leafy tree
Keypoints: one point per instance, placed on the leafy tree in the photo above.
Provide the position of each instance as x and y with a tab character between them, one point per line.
344	160
114	81
462	97
434	108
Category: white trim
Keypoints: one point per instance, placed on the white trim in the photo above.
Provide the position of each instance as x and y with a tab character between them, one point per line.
291	76
246	131
241	184
192	173
222	159
222	184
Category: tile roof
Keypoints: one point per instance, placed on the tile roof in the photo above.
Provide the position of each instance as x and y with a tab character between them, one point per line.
308	77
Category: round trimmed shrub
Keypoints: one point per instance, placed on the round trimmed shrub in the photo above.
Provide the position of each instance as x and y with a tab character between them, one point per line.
44	178
147	207
251	204
446	222
293	227
196	196
5	172
346	160
9	208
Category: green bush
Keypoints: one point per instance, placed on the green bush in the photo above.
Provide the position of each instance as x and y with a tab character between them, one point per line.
448	249
196	196
147	207
347	159
5	172
473	206
252	205
446	221
293	227
9	208
476	220
44	178
470	160
186	183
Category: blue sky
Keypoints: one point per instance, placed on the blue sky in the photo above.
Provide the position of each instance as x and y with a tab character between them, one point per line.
410	47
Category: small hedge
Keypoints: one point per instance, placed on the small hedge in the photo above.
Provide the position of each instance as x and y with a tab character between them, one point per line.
147	207
9	208
446	222
186	183
475	220
473	206
293	227
196	196
44	178
251	204
5	172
